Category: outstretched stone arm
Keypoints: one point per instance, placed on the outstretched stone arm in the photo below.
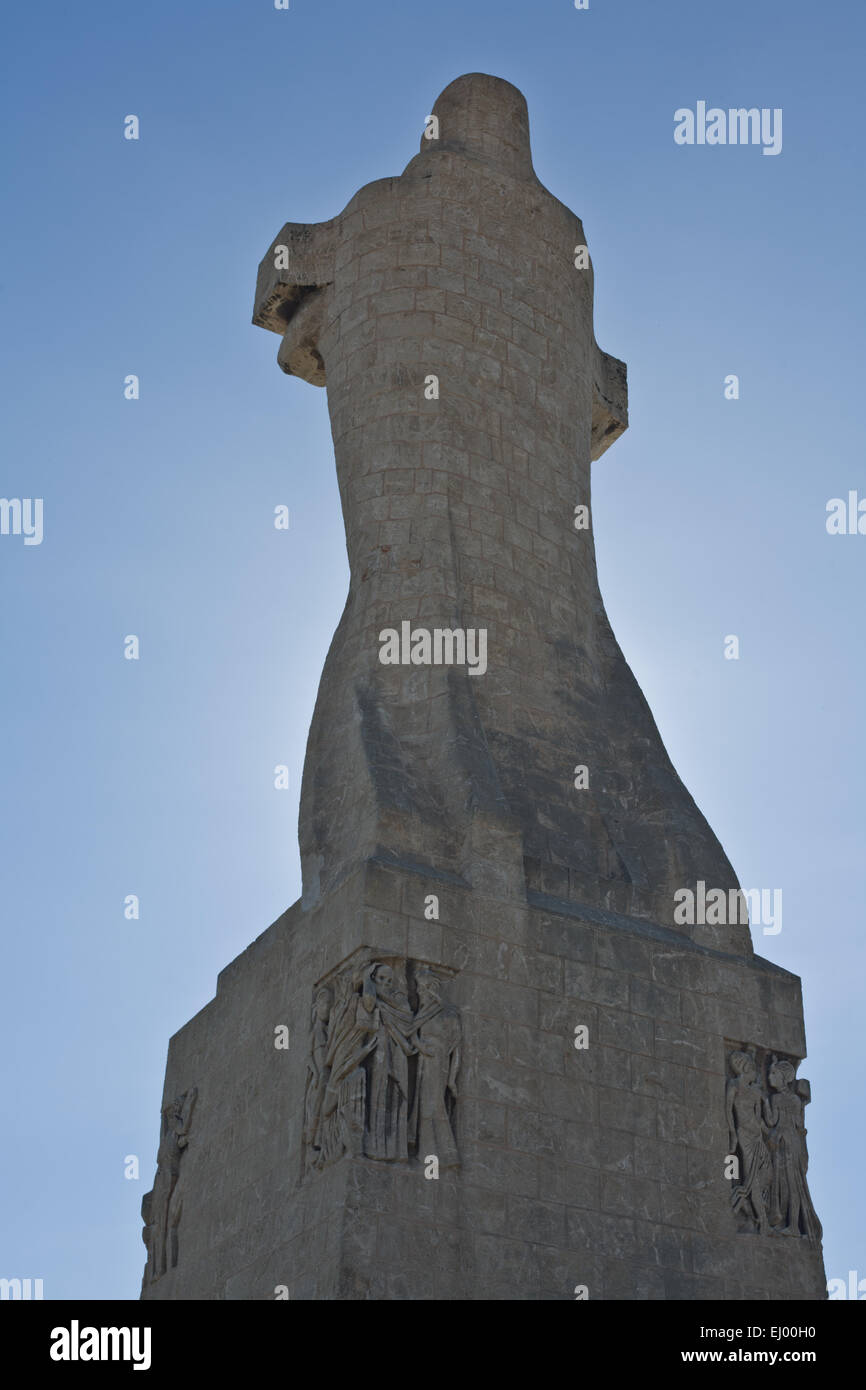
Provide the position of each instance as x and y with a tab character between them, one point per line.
609	401
290	299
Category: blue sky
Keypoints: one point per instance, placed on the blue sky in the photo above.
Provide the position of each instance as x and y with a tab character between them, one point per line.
156	777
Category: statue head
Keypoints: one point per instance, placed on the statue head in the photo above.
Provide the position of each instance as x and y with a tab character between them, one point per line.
322	1004
383	976
429	986
781	1075
743	1064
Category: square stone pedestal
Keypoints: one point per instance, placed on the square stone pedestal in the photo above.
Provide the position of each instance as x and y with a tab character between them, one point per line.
567	1068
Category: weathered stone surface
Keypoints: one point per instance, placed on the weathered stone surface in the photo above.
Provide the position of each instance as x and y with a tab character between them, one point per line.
485	969
603	1166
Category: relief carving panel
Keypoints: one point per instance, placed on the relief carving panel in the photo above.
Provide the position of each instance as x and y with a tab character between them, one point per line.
383	1065
765	1105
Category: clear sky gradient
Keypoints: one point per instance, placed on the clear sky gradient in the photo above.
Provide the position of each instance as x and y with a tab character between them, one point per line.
155	777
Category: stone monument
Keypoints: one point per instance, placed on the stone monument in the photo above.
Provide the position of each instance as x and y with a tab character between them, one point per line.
489	1054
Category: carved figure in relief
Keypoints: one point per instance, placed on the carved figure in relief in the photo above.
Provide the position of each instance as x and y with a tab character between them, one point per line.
162	1208
791	1210
388	1111
744	1104
316	1072
387	1128
437	1029
344	1101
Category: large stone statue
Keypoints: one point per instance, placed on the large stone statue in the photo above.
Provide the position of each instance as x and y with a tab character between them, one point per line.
449	314
519	1072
